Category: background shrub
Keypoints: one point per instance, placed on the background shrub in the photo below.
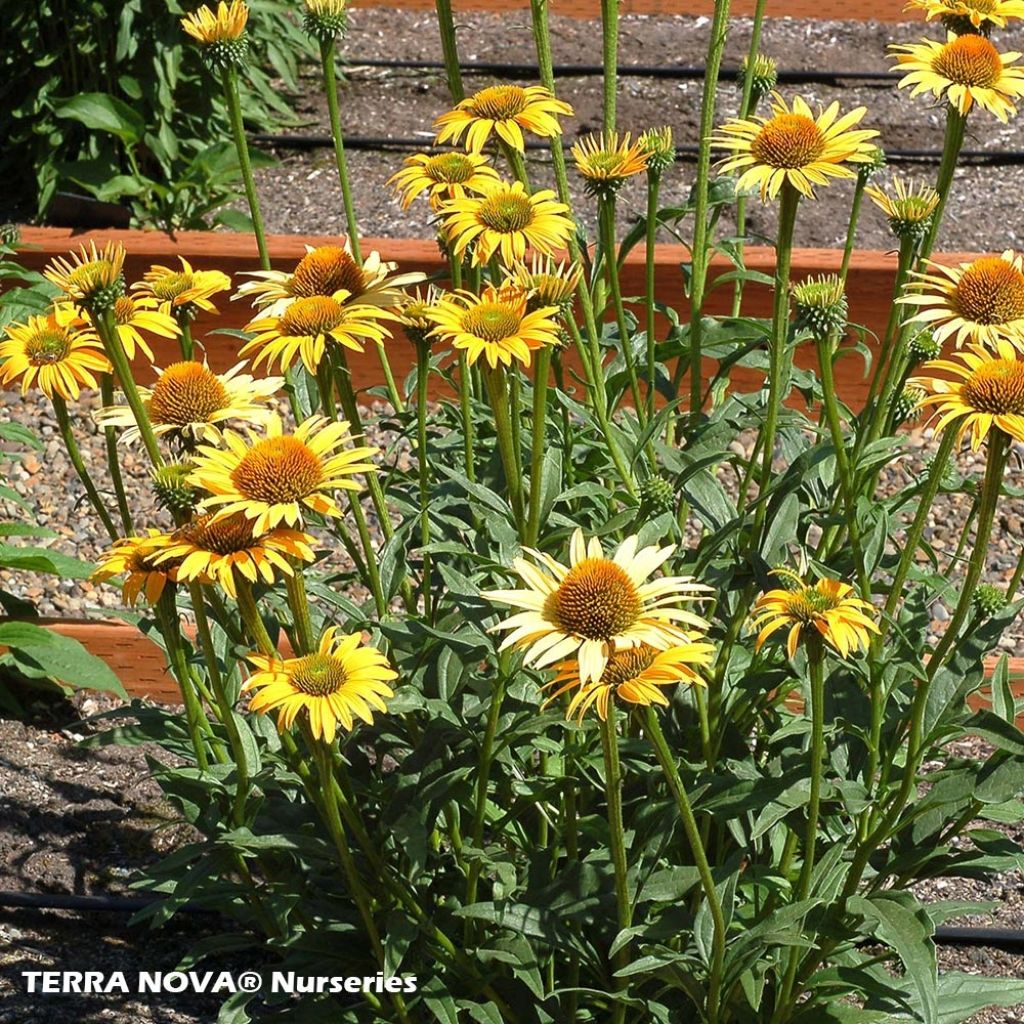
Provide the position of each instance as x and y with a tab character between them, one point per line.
105	97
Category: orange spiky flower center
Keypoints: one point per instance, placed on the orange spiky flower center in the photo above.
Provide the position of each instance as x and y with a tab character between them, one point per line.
788	141
596	600
186	392
969	60
990	291
278	470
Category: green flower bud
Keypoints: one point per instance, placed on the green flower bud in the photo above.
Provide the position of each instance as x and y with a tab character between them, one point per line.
821	305
988	599
657	496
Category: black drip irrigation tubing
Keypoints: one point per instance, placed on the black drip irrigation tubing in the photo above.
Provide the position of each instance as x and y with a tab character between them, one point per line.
1007	939
382	143
671	71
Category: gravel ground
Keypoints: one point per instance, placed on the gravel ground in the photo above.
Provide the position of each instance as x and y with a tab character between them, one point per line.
302	195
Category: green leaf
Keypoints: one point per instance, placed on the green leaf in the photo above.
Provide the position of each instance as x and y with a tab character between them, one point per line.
909	932
30	559
1003	703
961	995
102	112
42	653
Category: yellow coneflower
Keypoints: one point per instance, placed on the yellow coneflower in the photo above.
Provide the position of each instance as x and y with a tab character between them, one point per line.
635	675
414	313
54	351
795	146
827	606
343	681
92	278
213	550
494	324
605	161
190	400
546	282
133	316
304	328
324	271
182	293
133	558
659	147
273	479
987	391
441	176
506	110
909	209
506	219
226	23
980	301
966	70
596	605
981	14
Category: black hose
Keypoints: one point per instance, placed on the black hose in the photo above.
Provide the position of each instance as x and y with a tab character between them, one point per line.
88	904
671	71
997	157
1007	939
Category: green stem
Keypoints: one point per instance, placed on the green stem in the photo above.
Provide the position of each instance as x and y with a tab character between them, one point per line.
991	488
952	143
497	392
483	777
746	105
826	354
916	528
851	228
185	338
778	350
104	324
298	601
356	887
538	433
450	49
251	618
113	457
227	715
874	411
816	667
675	784
701	253
327	54
167	618
610	57
423	464
653	186
466	412
617	847
67	435
346	392
229	82
606	215
988	502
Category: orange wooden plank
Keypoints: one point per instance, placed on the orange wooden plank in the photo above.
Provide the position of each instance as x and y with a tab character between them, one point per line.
869	288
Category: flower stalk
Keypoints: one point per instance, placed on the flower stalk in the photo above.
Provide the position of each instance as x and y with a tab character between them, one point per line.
229	83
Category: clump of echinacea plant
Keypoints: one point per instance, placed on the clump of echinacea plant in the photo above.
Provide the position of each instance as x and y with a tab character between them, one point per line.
563	684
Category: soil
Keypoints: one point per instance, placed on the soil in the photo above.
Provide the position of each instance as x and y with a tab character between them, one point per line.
301	194
83	822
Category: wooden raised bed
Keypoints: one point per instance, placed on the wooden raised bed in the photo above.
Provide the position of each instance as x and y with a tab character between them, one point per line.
140	665
869	287
137	660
